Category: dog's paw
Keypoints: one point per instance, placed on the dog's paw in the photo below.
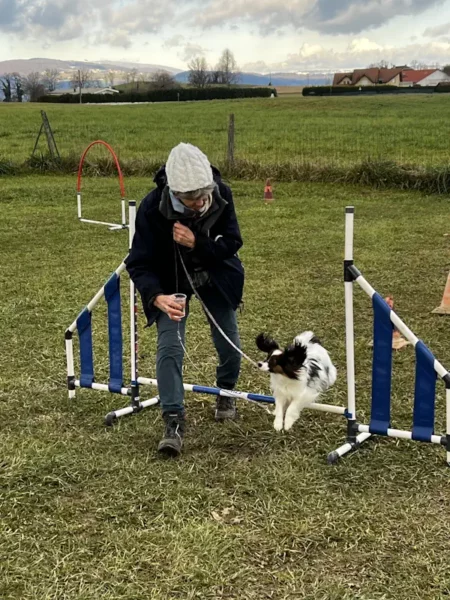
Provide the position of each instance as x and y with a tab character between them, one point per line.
288	424
278	424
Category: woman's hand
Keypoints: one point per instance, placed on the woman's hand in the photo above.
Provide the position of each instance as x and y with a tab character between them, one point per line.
183	235
168	305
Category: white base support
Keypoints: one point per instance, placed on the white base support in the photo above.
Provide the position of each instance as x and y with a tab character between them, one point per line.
364	434
334	456
130	410
401	434
112	226
102	387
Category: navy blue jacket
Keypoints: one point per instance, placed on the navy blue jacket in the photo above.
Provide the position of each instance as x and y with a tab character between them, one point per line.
153	264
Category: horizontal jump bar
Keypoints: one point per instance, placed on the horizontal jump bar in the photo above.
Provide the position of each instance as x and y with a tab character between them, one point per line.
339	410
199	389
405	435
395	319
98	296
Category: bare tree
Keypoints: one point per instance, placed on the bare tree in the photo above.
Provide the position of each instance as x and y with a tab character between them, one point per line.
18	87
50	79
198	72
133	75
81	79
416	64
33	86
111	77
215	76
228	68
162	80
382	64
141	78
126	76
7	83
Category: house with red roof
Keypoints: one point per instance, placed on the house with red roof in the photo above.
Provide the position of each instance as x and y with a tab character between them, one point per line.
372	76
424	77
398	76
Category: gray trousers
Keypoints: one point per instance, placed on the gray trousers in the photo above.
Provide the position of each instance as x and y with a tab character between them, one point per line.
170	354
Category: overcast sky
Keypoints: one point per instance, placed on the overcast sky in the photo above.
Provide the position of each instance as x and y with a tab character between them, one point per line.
263	34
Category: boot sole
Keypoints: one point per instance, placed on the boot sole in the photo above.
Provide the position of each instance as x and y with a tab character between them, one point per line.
169	449
222	416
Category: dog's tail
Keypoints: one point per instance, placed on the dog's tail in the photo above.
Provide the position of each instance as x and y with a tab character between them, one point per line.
307	337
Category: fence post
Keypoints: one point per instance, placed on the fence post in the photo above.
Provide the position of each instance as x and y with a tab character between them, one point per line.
230	153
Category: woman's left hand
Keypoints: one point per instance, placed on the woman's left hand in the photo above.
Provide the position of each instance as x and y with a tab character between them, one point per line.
183	235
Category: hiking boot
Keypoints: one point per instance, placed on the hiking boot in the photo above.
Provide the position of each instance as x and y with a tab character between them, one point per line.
172	441
226	409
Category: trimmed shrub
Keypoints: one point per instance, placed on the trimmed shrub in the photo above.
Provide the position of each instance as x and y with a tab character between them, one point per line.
350	90
173	95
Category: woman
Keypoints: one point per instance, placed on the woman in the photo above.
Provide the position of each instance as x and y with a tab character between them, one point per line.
188	222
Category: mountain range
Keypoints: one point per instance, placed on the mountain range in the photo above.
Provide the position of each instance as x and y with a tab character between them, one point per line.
27	66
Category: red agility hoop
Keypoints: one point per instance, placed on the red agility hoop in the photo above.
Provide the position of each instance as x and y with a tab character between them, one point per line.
121	184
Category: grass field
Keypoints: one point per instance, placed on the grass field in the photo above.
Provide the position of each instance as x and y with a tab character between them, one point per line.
342	131
290	90
89	513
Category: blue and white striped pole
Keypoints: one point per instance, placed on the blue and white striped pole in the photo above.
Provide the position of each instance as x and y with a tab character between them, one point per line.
212	391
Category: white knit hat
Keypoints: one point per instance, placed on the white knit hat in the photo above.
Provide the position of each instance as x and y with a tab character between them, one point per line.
188	169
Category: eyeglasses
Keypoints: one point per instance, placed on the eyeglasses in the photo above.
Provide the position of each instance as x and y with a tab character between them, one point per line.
199	201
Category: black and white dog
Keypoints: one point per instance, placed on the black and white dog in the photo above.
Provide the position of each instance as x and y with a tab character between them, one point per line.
298	375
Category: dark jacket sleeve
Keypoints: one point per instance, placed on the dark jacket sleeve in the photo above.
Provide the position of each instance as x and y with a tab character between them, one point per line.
226	240
140	261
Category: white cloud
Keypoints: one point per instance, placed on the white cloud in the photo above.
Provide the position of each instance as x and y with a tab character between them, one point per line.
147	16
359	53
325	16
437	31
187	50
207	26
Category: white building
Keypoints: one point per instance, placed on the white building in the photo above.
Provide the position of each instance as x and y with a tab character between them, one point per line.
87	90
424	77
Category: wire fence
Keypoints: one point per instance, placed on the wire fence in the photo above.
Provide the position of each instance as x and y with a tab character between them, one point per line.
335	132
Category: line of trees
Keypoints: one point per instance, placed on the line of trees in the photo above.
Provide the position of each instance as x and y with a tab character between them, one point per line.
414	64
15	86
226	71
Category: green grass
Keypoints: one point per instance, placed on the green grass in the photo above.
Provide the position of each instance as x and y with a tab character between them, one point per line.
288	131
89	513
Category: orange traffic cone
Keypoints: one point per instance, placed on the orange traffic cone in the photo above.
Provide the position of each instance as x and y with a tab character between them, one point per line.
268	194
398	341
444	308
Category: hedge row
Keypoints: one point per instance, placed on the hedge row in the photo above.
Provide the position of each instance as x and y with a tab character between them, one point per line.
173	95
348	90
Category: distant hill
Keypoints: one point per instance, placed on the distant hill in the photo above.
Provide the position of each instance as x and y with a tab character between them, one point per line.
26	66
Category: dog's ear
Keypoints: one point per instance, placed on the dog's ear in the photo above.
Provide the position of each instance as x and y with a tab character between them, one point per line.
266	344
296	354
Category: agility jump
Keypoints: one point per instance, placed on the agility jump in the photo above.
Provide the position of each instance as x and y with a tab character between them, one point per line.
112	226
385	321
427	368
